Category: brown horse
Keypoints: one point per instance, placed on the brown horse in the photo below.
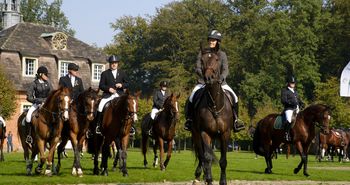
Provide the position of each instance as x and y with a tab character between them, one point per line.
213	119
117	120
47	124
336	140
267	138
163	130
82	113
2	140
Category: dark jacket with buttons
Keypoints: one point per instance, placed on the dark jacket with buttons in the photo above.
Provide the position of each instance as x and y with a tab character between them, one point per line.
159	98
78	85
38	92
223	67
290	100
108	81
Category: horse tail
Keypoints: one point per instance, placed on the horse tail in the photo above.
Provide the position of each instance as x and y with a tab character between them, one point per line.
145	125
258	149
202	150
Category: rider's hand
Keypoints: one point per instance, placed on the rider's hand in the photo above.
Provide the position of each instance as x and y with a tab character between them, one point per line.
111	90
118	85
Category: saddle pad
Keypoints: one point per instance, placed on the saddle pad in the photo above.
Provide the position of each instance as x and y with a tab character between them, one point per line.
278	123
337	134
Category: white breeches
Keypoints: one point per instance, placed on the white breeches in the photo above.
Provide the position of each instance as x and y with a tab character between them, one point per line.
225	87
30	112
105	100
154	112
289	114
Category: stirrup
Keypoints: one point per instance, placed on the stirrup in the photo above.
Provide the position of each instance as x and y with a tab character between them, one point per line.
150	133
132	131
88	134
98	130
29	139
188	125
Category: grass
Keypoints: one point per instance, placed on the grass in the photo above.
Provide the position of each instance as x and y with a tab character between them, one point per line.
241	166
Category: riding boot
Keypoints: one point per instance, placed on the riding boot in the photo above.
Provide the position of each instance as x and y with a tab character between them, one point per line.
4	131
238	124
188	115
98	123
287	130
150	133
29	139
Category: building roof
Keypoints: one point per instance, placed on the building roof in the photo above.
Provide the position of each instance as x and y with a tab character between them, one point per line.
33	39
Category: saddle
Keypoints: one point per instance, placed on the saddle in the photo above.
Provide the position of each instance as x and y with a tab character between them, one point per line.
198	96
280	122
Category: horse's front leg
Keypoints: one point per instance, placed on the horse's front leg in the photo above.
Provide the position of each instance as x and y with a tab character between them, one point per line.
76	169
123	154
60	149
161	153
208	157
105	155
155	159
170	149
302	156
50	156
41	148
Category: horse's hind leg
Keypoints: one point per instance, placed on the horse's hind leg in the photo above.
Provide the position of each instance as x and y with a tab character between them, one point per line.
302	155
198	171
155	159
60	149
170	149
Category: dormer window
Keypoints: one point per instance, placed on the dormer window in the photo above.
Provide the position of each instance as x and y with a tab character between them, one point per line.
58	40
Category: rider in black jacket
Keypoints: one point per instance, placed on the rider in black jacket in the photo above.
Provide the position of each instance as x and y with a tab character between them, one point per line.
71	80
291	101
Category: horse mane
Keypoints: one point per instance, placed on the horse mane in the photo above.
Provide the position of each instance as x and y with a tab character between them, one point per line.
52	94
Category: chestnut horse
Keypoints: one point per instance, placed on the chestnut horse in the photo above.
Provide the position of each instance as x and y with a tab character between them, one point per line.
116	123
267	138
47	124
213	119
336	139
82	113
163	130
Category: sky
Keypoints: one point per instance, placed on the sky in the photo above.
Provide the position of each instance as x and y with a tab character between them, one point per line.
91	19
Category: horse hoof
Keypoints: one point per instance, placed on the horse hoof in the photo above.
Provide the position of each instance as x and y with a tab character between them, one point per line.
104	173
296	170
96	171
48	173
196	182
268	171
125	174
306	174
80	172
74	171
38	170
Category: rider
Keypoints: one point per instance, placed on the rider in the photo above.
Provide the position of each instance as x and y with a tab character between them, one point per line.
291	101
214	39
113	82
38	91
72	80
159	97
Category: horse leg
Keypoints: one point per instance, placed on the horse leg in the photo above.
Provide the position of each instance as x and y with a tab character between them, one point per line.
1	150
155	159
117	155
198	172
76	169
207	158
105	155
223	159
144	148
41	148
170	149
77	153
301	153
123	154
50	157
161	153
96	169
60	149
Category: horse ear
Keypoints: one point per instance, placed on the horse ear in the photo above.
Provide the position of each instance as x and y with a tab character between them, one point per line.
138	94
178	96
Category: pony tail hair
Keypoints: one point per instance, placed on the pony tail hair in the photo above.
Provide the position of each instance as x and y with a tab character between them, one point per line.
256	141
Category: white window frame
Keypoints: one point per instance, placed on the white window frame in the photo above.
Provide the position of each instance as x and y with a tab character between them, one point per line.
60	62
24	66
93	76
25	104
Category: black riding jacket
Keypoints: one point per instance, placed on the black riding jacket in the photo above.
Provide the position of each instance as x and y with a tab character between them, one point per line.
159	98
38	92
290	100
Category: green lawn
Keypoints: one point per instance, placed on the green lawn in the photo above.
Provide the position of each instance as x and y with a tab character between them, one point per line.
241	166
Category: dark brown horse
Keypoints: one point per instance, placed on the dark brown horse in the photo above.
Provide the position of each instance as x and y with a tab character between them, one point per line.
213	119
82	113
47	124
2	140
267	138
336	139
163	130
117	120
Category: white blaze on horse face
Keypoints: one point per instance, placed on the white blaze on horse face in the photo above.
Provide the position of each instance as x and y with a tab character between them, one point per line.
177	108
135	115
329	117
66	106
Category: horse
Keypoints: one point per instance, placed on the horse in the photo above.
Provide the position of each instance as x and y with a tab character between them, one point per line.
267	138
46	127
163	130
82	113
213	119
335	140
2	140
116	123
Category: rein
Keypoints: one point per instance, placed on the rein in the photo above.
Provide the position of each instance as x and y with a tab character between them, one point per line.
214	109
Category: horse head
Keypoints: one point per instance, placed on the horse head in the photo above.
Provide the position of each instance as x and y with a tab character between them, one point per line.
133	105
90	103
211	67
321	115
171	104
63	101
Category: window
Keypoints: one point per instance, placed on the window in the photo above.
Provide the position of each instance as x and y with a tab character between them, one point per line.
29	66
25	106
63	68
97	69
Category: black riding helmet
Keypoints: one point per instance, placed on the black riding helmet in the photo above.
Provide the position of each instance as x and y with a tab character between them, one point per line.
163	84
42	70
215	34
113	59
291	79
72	66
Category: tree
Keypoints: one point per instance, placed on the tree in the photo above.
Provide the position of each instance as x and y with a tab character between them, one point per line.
7	97
39	11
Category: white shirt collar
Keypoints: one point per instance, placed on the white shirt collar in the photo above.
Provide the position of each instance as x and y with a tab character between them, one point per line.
291	89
